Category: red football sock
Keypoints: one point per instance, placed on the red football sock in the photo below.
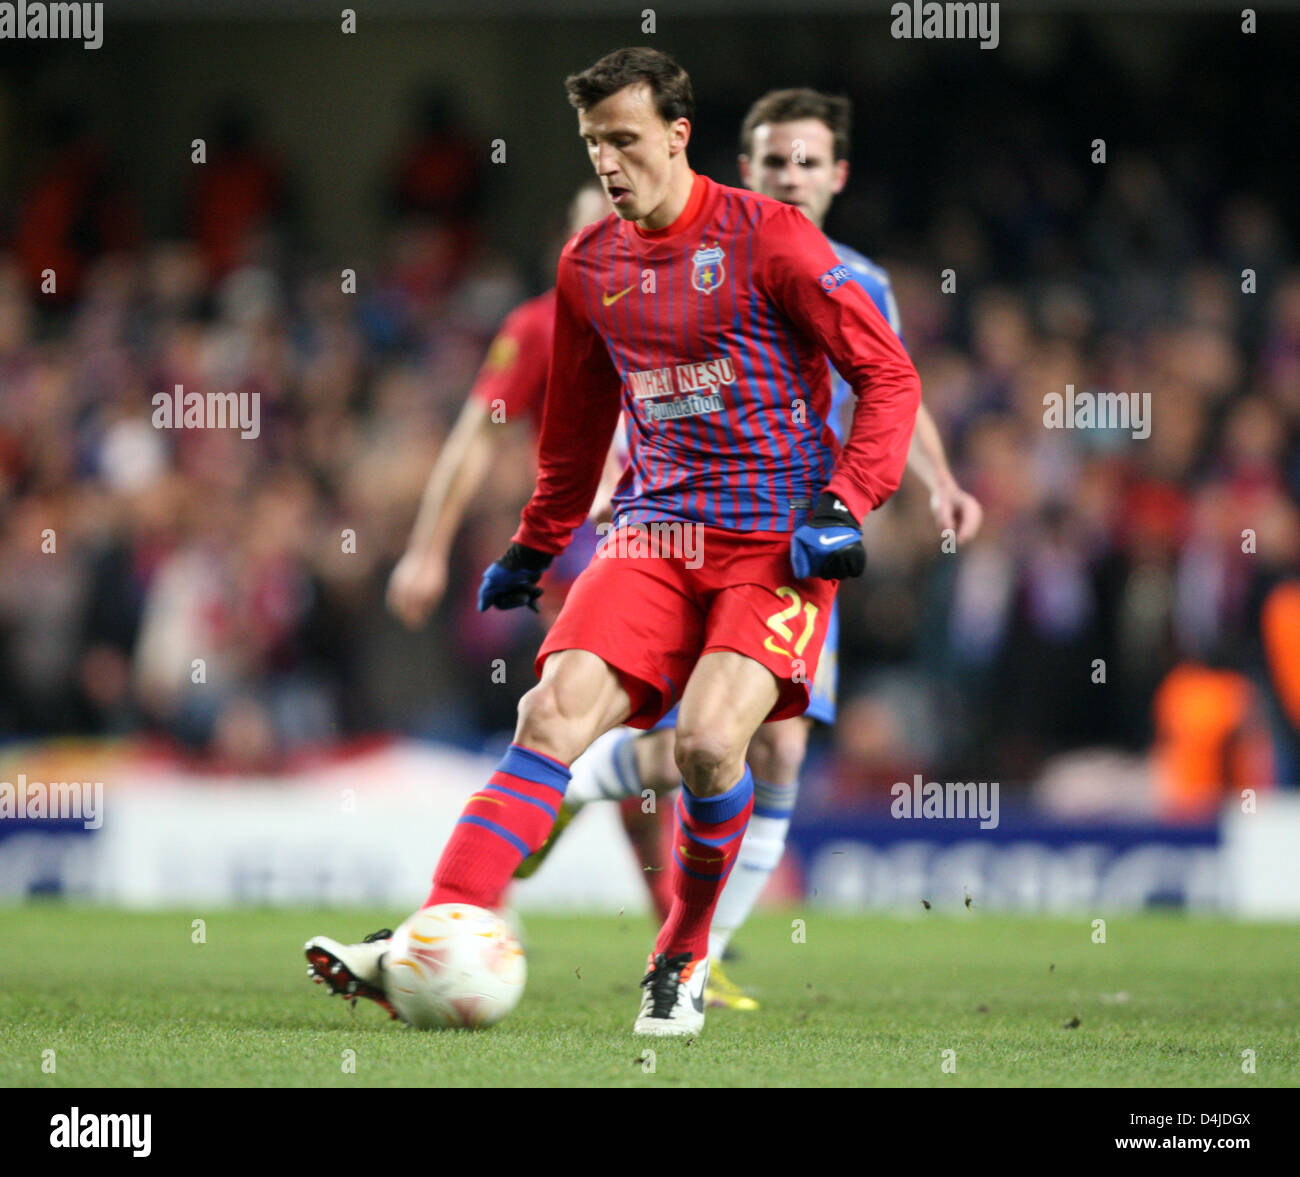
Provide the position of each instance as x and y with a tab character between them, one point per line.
706	840
644	831
500	826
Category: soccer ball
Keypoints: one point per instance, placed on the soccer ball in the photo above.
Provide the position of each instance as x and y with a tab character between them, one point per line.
454	965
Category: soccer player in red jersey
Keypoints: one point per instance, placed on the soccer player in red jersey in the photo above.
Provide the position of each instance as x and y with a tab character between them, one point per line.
705	313
794	148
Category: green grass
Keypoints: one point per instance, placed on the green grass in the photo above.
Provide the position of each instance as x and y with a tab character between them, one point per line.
129	1000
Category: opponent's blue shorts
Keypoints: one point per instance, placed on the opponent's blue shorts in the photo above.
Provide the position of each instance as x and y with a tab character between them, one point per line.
821	704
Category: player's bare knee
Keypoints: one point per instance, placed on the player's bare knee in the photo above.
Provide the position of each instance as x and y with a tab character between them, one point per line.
707	762
545	728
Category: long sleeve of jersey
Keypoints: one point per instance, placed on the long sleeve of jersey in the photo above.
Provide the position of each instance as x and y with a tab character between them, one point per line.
583	391
802	275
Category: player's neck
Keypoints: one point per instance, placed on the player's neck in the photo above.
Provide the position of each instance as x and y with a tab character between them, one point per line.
674	202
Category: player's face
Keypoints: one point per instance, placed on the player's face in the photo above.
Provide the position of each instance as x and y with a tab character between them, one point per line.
795	163
632	149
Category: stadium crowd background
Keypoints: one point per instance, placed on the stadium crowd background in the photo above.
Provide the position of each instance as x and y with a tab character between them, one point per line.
1124	276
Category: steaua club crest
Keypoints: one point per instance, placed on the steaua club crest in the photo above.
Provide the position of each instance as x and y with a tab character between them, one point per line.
707	272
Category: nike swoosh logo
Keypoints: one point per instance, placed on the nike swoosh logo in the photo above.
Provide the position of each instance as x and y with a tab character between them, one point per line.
698	1002
611	299
835	541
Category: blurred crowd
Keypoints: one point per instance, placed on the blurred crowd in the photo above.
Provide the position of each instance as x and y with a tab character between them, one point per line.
1118	581
225	595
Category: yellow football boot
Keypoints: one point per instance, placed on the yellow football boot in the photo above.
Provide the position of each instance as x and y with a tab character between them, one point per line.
722	992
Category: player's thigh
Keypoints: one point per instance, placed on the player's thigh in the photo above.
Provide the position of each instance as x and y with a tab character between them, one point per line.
638	616
726	698
579	697
777	751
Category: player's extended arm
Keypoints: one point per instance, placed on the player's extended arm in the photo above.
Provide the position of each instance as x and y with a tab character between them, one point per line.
420	577
952	507
582	404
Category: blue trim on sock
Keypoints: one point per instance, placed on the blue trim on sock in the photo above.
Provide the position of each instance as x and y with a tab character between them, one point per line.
723	807
715	842
500	831
768	811
523	797
533	766
771	796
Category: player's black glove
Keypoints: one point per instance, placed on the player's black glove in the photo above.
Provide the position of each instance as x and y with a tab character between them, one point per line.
829	545
512	580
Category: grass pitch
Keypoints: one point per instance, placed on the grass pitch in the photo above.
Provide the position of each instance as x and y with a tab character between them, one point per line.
128	1000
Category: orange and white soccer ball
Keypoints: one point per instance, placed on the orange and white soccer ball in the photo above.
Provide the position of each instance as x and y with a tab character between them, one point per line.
454	965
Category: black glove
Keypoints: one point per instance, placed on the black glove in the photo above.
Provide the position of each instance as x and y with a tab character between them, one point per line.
512	580
829	545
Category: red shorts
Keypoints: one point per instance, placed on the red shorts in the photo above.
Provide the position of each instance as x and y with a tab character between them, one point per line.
641	607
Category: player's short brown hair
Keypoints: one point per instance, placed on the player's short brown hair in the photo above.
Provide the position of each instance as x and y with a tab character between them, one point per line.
785	106
670	84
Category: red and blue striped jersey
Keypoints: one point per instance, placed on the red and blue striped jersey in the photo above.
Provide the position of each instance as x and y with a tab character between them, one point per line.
712	336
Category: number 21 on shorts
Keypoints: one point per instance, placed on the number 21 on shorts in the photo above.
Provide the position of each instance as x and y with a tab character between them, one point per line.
780	622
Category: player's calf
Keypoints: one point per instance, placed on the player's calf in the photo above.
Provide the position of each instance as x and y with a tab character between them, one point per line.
500	826
579	697
776	755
